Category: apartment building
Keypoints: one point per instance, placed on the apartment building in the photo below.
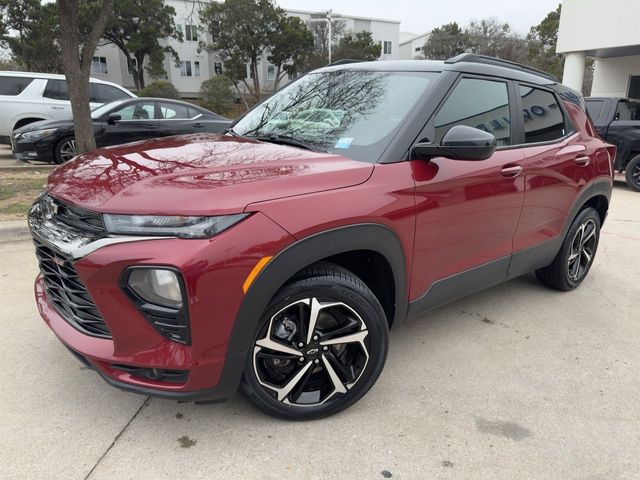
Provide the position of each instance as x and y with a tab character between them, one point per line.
197	65
412	46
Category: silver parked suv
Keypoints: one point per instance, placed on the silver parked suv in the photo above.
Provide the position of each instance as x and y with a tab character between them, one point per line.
27	97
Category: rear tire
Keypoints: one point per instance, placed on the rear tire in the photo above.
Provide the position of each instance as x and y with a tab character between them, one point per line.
64	150
574	260
632	173
298	374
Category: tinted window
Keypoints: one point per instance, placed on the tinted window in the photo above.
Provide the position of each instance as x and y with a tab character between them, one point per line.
193	112
13	85
594	108
483	104
57	90
107	93
174	111
137	111
543	119
623	111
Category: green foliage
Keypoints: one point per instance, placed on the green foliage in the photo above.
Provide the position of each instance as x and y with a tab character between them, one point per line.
445	42
137	28
357	47
291	44
33	44
160	89
542	41
217	95
243	30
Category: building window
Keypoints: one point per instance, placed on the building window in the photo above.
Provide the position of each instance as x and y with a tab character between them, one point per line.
196	69
135	65
191	33
217	67
250	72
179	30
185	69
99	65
634	87
419	49
271	72
386	48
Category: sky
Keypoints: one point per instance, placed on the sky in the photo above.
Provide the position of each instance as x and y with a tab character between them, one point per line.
420	16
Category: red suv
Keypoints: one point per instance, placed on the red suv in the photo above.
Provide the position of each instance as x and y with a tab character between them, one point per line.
277	256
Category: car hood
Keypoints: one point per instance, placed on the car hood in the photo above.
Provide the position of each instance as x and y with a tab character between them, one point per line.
198	175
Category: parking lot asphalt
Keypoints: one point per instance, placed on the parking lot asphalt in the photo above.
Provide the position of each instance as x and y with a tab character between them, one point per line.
517	382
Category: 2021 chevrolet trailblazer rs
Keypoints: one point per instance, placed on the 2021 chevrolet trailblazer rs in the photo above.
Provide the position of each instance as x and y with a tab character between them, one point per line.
276	257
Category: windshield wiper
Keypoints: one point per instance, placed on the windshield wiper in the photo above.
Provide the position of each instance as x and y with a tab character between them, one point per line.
231	131
286	140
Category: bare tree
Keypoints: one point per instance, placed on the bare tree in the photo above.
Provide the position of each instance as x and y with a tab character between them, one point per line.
78	48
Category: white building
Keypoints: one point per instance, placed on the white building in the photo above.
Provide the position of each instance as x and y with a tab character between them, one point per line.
197	65
607	31
412	46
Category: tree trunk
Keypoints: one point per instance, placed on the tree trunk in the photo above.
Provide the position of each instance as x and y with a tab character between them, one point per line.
140	71
76	61
256	81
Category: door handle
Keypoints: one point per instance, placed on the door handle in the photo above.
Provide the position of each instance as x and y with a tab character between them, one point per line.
511	171
198	125
57	108
583	161
151	127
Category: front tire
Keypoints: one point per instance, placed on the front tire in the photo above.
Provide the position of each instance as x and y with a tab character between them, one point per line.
574	260
632	173
319	347
64	150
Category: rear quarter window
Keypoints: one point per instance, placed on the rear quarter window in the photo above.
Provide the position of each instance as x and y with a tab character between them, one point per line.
13	85
56	90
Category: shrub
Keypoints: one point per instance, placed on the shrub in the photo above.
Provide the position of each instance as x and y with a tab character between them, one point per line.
160	89
217	95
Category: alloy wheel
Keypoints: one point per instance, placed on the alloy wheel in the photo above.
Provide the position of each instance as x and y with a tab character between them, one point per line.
582	250
68	150
311	352
635	174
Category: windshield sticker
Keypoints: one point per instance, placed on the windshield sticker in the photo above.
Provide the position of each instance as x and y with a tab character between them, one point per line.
343	143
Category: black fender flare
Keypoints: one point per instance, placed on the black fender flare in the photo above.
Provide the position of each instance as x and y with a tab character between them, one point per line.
599	187
368	236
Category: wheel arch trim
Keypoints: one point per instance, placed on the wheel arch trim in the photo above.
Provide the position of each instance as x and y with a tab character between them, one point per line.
305	252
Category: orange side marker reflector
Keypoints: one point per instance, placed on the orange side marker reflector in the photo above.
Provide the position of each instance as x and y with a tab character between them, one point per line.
254	273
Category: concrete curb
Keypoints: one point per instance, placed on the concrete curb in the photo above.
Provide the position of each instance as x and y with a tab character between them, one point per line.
14	231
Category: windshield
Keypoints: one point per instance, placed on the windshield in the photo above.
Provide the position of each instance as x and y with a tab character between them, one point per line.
351	113
101	110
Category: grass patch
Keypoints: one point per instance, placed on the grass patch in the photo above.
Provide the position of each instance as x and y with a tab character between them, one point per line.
16	209
9	187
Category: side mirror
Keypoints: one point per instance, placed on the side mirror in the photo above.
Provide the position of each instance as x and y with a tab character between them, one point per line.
113	118
459	143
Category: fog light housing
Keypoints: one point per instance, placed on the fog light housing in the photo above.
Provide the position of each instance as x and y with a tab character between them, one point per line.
156	285
160	295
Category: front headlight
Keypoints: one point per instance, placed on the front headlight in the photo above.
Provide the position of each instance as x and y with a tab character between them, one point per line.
36	134
172	226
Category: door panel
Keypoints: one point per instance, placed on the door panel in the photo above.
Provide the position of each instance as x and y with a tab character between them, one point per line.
555	173
466	215
56	99
138	122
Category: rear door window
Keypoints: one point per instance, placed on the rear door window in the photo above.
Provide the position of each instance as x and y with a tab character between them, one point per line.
56	90
543	118
478	103
174	111
142	110
13	85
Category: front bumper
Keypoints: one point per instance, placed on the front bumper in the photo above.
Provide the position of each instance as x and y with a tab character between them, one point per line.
213	270
40	150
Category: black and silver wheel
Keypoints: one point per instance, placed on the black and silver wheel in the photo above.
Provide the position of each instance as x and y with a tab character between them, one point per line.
319	348
632	173
571	265
65	150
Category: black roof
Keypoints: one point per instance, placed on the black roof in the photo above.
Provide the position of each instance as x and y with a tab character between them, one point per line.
466	62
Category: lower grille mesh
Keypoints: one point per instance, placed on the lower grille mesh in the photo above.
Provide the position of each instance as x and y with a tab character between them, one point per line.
68	295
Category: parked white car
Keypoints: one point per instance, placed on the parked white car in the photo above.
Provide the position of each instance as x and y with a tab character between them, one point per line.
27	97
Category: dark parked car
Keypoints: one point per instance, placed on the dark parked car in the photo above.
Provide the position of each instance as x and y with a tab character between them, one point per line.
617	121
278	256
115	123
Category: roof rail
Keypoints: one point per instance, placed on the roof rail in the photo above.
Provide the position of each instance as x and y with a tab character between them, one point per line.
486	60
345	61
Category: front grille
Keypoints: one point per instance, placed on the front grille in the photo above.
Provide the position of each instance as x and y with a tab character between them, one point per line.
75	217
67	294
